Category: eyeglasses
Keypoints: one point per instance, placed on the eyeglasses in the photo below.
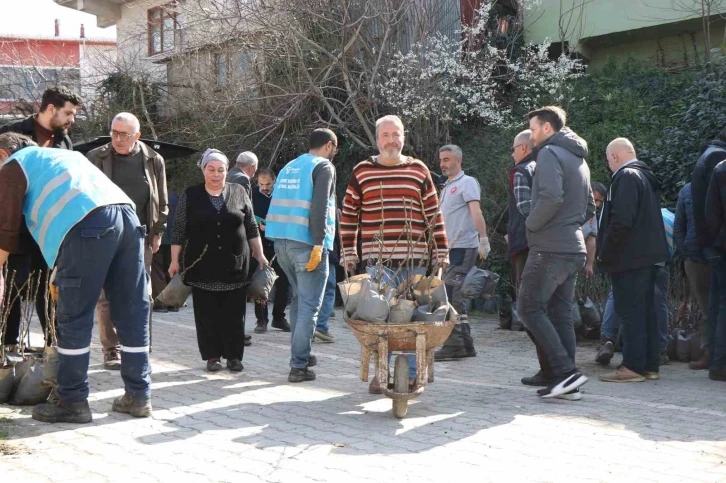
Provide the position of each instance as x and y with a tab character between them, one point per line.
514	148
121	135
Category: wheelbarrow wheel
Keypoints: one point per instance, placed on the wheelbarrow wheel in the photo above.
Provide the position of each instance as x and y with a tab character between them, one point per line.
400	384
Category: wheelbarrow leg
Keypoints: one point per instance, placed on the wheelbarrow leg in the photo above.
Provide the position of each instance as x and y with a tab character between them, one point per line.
421	359
365	361
430	358
382	366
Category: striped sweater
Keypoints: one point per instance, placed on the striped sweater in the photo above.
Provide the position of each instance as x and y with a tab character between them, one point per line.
384	198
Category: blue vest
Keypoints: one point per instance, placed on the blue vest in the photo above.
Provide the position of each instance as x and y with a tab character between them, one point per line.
63	187
289	214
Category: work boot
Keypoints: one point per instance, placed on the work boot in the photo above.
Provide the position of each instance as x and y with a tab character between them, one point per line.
468	340
701	364
301	375
454	347
606	352
717	374
261	327
78	413
280	324
112	360
126	404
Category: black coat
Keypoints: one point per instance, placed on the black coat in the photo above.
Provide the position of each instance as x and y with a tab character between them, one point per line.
715	213
218	241
27	127
714	153
631	232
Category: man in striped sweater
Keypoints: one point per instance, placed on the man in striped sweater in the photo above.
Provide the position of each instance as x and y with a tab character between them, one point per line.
385	193
391	205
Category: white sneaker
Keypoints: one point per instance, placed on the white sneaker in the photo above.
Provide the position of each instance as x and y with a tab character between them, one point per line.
574	395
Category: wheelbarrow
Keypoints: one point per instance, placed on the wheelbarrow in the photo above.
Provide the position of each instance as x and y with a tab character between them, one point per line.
380	338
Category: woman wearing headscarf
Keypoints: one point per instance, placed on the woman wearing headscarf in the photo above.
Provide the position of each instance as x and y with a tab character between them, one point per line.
215	229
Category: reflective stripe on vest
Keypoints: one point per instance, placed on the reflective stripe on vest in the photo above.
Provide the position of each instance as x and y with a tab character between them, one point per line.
289	215
63	187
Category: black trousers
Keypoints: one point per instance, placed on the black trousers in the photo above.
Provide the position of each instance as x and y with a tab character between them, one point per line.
23	265
220	321
282	289
633	292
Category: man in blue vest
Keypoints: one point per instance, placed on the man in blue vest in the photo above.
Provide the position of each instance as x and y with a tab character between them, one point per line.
88	231
301	222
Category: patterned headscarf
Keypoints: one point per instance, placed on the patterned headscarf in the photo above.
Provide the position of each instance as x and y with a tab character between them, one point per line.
212	155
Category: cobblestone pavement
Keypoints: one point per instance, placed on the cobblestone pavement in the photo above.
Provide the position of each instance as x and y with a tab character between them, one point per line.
476	420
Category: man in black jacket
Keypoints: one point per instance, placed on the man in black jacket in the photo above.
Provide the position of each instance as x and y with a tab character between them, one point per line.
715	218
714	153
49	128
631	244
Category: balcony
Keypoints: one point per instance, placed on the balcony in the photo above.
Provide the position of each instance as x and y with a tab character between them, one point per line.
107	12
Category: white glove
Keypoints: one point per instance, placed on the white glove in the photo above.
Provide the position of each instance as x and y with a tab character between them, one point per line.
484	247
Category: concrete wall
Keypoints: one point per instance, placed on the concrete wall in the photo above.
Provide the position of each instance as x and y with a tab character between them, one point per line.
673	51
590	18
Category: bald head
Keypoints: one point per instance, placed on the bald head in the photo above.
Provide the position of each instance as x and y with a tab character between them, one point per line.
619	152
522	146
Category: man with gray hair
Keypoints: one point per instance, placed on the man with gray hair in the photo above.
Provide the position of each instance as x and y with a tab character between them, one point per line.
140	173
466	231
244	170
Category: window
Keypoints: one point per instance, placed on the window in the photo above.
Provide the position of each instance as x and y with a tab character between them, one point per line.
222	70
163	22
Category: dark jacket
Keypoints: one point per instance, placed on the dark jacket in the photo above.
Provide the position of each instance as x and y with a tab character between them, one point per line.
155	171
236	175
561	195
224	234
27	127
714	153
715	213
684	228
516	229
26	243
631	225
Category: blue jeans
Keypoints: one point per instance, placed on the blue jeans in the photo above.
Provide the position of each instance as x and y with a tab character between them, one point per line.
717	315
545	300
610	329
105	250
308	289
388	278
634	292
328	301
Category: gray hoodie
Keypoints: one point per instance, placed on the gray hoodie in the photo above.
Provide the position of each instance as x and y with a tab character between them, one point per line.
561	195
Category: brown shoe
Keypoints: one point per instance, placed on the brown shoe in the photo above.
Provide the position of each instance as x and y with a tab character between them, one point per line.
374	387
701	364
112	361
651	376
622	374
